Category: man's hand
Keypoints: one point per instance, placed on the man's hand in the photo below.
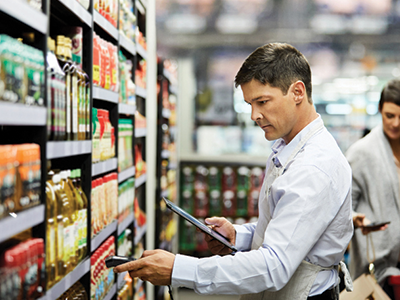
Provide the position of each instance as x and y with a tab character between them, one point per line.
360	221
224	227
154	266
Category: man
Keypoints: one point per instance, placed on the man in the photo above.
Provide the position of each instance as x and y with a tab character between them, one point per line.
305	219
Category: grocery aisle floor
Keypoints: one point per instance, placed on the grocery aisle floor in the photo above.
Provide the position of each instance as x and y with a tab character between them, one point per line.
186	294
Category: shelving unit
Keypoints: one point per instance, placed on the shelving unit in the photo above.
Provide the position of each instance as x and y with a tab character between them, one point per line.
77	154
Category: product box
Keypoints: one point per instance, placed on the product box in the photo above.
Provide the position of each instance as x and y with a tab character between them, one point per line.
214	191
243	187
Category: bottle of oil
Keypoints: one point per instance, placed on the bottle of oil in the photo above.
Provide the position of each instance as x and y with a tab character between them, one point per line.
76	179
62	96
51	232
67	211
73	199
78	218
59	228
73	93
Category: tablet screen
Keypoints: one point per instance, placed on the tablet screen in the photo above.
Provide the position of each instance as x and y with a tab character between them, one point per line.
216	235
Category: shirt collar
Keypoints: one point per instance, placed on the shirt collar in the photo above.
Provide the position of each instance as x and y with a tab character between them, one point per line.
283	151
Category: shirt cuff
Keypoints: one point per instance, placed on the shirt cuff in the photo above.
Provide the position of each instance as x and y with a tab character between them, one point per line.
243	238
184	270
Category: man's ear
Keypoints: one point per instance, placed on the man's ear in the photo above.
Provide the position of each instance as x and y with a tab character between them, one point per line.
299	91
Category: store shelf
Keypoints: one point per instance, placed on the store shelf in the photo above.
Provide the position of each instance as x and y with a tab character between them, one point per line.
140	180
140	232
141	6
141	51
127	44
240	159
20	114
125	174
120	279
76	8
105	24
141	92
110	295
140	132
165	154
59	288
103	235
59	149
104	166
125	223
126	109
25	13
20	221
105	95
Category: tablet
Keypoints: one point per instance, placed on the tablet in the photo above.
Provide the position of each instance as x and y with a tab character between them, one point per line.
216	235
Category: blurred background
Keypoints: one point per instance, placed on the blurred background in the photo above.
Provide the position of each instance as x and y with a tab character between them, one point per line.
352	46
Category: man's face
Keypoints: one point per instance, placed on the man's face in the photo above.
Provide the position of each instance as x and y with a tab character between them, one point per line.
274	112
391	120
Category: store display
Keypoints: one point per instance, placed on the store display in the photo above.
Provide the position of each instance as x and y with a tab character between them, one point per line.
101	277
140	74
21	72
69	108
140	164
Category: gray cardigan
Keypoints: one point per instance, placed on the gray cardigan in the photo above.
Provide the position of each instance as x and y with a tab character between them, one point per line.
375	192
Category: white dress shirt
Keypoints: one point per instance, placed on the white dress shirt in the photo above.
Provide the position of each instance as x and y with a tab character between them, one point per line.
311	219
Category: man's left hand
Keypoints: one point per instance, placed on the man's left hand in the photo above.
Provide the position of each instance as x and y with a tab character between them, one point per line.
154	266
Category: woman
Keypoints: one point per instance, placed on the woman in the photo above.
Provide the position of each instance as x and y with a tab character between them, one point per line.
375	162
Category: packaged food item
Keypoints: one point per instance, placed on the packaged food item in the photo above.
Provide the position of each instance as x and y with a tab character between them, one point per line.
28	176
200	192
243	187
8	158
214	191
228	191
96	150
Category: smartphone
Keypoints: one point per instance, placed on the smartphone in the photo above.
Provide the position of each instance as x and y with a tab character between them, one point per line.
115	260
376	225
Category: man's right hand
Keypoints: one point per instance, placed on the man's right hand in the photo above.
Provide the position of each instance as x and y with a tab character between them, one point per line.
224	227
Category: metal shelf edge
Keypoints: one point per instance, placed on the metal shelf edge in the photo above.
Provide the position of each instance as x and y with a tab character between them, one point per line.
141	51
103	235
23	115
104	166
127	44
140	180
26	14
24	220
76	8
111	292
105	24
125	174
125	223
141	92
64	284
126	109
57	149
140	132
141	233
105	95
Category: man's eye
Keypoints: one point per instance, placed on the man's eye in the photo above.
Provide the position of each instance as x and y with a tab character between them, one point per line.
263	102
